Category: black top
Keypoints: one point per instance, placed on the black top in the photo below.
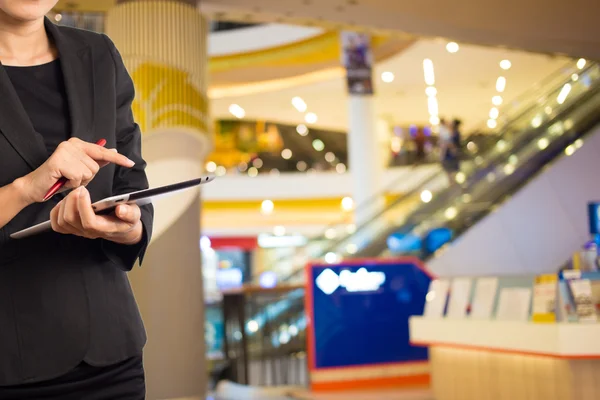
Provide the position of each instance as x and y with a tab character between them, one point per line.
41	89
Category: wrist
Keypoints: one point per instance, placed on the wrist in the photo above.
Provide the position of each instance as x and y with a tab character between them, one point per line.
134	236
20	192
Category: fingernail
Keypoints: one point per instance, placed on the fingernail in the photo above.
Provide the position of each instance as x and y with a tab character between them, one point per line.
131	162
113	150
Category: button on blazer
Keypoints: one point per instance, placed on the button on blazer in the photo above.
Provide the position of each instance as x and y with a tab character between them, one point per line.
66	299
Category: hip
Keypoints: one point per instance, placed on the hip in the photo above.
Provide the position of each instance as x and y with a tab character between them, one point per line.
121	381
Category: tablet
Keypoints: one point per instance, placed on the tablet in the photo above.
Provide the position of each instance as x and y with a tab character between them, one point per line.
141	197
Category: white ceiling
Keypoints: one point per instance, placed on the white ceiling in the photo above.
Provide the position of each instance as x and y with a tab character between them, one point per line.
465	82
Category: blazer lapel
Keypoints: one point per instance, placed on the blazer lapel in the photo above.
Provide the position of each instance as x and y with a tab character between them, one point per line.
77	66
16	126
78	71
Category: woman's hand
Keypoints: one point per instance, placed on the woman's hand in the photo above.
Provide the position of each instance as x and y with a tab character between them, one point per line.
74	215
75	160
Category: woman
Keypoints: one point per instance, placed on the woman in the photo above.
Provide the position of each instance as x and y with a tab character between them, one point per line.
70	327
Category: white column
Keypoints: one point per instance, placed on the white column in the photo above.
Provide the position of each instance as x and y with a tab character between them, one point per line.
384	135
163	44
365	157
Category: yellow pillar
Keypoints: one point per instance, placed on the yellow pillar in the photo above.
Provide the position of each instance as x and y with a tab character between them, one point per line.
163	44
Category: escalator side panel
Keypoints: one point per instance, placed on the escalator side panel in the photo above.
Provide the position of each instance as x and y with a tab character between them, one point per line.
536	230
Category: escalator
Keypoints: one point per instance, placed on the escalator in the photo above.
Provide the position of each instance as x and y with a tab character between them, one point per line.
551	121
534	130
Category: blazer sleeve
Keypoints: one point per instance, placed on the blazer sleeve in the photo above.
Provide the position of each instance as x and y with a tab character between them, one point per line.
128	179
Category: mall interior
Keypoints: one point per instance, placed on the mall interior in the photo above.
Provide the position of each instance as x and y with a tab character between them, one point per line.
405	204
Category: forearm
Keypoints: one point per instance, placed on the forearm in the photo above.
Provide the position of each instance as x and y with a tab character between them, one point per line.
12	201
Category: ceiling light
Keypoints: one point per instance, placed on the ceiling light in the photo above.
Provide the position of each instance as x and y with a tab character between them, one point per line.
568	124
211	166
286	154
267	207
501	84
347	203
237	111
501	145
564	92
513	159
221	170
451	213
331	258
387	77
351	229
252	326
578	143
340	168
461	178
258	163
302	130
279	230
428	72
472	147
330	157
509	169
536	122
492	124
543	143
426	196
570	150
494	113
351	248
318	145
310	118
301	166
574	77
242	167
432	105
430	91
581	63
299	104
505	64
58	17
330	233
497	100
274	172
452	47
434	120
252	172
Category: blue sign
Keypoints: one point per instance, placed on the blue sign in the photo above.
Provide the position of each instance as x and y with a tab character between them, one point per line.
594	218
360	312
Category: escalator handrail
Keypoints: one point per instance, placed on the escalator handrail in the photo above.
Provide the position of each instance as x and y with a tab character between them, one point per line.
567	111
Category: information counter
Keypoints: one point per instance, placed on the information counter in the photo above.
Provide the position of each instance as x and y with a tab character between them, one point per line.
489	360
519	347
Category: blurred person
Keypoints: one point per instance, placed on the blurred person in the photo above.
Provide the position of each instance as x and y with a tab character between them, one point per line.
70	326
457	136
448	150
420	141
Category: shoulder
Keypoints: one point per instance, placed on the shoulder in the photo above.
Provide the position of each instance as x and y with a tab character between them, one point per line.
98	41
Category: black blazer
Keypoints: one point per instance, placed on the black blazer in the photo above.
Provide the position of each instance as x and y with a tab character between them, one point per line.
65	299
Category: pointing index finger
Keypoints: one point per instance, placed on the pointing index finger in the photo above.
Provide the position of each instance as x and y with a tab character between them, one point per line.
101	154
